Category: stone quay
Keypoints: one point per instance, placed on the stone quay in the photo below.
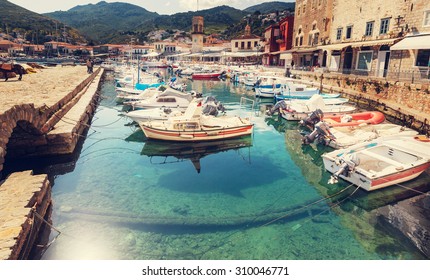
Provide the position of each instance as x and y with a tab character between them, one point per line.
45	114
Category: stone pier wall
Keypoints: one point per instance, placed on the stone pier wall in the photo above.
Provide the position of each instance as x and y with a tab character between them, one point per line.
405	100
28	131
21	195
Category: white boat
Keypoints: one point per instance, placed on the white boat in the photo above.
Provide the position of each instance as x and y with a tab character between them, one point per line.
170	98
348	136
193	126
289	91
127	95
154	114
298	110
380	163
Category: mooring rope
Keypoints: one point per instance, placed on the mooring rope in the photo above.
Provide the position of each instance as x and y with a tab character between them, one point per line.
45	247
308	205
234	234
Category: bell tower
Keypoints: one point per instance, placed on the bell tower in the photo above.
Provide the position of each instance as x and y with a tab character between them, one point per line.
197	34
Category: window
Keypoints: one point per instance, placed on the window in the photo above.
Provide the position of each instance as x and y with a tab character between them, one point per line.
423	58
242	45
249	44
369	28
316	37
301	40
310	40
304	8
385	23
298	10
364	60
348	32
339	34
426	18
297	41
236	44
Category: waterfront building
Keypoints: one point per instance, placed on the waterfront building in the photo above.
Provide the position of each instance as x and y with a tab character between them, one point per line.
312	22
271	46
411	56
361	35
246	48
377	38
285	40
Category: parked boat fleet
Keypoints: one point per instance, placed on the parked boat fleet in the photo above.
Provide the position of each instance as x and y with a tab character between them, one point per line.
371	153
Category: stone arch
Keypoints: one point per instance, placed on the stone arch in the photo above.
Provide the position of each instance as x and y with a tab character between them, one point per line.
21	118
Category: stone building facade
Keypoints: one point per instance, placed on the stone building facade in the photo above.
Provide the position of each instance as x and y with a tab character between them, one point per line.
312	21
411	56
377	38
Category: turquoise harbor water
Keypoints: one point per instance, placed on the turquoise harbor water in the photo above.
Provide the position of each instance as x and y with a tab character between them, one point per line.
129	198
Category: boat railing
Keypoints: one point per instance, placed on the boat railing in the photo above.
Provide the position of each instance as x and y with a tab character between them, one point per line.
245	102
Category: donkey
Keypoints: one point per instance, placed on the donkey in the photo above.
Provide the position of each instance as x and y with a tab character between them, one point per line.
9	67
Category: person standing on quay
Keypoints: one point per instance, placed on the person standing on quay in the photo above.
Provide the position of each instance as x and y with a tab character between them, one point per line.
88	63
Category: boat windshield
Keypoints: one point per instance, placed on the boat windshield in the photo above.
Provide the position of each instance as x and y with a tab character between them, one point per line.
187	126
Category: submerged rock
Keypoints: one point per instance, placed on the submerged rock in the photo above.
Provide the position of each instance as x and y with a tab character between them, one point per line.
410	217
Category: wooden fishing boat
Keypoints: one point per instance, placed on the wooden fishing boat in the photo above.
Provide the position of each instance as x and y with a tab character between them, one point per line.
381	163
354	119
193	126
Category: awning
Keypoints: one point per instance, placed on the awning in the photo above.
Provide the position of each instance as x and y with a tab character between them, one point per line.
218	54
178	54
338	47
152	54
413	43
241	54
286	56
334	47
275	53
307	50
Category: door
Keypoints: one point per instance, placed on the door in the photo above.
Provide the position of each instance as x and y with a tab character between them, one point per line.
382	66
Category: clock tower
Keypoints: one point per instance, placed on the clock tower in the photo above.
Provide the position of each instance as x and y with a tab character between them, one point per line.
197	34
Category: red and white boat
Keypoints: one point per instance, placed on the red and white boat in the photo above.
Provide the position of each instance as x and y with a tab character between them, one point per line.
381	163
193	126
354	119
207	76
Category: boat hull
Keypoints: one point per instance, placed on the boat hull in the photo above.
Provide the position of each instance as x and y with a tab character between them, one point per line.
370	184
205	76
384	162
196	135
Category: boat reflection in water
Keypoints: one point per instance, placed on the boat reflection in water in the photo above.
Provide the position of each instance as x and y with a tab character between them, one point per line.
193	151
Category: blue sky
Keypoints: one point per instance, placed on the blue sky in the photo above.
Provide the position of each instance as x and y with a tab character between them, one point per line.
159	6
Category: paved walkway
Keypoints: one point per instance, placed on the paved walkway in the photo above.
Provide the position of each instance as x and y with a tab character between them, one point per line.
46	86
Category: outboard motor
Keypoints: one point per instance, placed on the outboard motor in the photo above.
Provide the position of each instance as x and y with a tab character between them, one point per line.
196	94
314	118
347	164
210	110
320	132
223	75
279	105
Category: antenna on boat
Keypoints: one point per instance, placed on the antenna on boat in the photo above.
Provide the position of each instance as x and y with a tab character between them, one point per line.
197	6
